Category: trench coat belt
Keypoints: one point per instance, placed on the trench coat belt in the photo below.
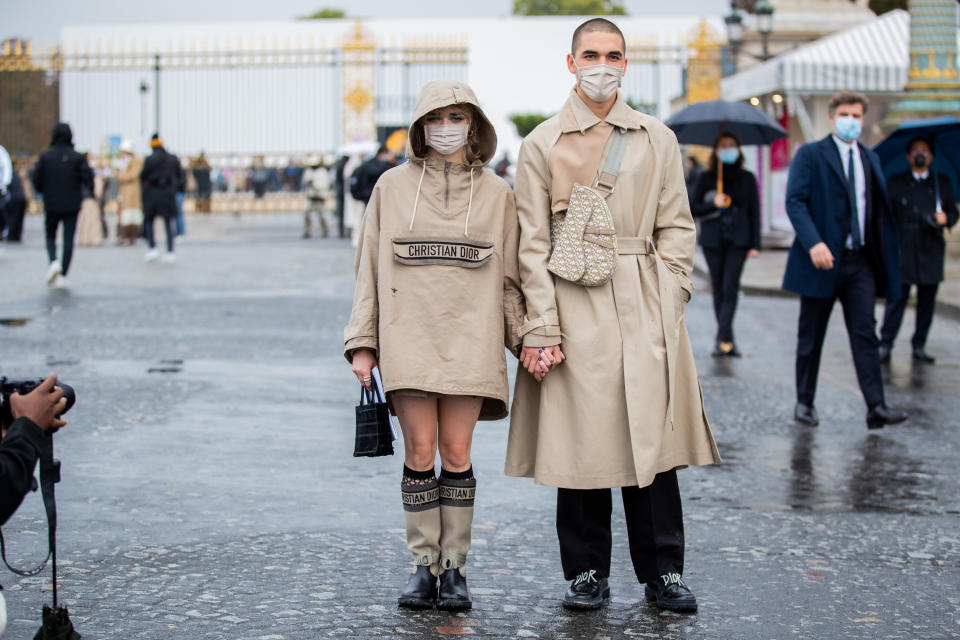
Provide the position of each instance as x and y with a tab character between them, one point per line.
643	246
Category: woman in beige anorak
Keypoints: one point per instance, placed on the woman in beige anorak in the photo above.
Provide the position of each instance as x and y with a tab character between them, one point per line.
437	297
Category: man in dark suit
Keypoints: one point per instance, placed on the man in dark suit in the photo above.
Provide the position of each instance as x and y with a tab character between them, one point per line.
845	249
923	205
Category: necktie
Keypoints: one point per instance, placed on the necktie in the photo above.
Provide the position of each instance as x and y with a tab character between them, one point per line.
854	215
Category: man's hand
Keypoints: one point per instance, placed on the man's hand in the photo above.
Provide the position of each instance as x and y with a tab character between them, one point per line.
363	362
539	360
42	405
722	201
821	256
753	253
941	218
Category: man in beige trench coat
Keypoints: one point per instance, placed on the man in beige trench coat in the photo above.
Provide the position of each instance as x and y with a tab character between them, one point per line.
613	399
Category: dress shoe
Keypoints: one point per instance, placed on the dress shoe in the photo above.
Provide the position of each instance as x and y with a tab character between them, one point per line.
454	594
884	352
806	414
421	590
724	348
880	415
921	355
669	592
586	591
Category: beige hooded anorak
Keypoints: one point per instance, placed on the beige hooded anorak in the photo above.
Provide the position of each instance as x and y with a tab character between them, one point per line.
626	404
437	294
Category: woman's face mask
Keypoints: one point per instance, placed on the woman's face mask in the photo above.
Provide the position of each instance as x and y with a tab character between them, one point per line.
446	139
728	156
599	82
847	128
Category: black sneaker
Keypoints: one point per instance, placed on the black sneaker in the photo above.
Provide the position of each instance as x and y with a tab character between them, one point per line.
421	590
587	591
454	594
669	592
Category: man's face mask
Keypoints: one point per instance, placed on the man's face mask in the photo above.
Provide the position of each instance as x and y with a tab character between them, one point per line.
599	82
446	138
847	128
920	160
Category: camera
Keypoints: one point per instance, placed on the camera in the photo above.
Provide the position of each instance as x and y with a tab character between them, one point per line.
10	386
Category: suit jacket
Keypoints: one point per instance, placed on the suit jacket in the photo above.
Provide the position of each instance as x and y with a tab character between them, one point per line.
818	205
922	246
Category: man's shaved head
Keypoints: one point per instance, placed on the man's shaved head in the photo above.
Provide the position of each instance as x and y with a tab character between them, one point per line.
596	24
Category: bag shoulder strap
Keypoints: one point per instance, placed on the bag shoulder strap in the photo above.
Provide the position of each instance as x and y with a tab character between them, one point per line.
611	164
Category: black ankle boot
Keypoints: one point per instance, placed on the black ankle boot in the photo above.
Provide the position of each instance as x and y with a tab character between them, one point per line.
421	590
454	594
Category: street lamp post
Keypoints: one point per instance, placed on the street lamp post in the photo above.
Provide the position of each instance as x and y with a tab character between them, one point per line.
763	11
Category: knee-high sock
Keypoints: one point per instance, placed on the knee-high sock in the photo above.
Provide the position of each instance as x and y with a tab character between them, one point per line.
421	511
457	491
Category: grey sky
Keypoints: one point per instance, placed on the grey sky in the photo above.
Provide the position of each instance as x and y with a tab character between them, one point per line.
40	20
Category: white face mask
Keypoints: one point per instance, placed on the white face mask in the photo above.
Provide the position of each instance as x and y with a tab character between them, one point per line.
446	139
599	82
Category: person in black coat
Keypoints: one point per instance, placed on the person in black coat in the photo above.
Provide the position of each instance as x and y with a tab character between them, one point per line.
60	176
160	179
366	175
923	205
24	439
729	232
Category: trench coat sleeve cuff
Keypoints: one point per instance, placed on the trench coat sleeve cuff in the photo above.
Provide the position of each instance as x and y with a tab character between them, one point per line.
360	342
540	332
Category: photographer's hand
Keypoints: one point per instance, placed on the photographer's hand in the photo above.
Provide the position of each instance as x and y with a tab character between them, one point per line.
42	405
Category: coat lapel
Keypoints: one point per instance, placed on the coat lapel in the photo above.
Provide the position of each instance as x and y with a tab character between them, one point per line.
829	150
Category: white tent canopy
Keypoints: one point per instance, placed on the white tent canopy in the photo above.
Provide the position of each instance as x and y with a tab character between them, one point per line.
871	57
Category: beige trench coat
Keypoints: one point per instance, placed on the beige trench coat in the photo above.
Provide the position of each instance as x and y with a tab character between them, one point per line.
626	404
128	184
438	291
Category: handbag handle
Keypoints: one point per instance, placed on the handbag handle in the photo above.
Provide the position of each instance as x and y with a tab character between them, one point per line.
369	396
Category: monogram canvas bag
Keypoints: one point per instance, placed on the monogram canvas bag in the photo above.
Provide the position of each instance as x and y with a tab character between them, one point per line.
583	239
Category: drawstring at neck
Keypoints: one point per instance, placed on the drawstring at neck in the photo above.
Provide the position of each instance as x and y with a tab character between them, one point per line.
417	199
466	223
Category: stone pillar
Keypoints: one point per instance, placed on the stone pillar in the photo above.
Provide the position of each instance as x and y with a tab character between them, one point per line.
359	85
933	86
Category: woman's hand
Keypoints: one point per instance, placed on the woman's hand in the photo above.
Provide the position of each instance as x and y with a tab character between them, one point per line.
363	362
539	360
753	253
722	201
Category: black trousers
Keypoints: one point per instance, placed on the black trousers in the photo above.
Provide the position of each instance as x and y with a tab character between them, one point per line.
856	291
51	221
654	517
13	217
169	228
893	315
726	267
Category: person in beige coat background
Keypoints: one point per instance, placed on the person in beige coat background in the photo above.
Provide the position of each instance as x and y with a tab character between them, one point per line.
620	405
437	298
128	188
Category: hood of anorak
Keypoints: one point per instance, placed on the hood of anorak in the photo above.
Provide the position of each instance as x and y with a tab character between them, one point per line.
444	93
62	135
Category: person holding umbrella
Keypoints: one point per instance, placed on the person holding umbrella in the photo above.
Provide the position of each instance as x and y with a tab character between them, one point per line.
845	249
729	231
923	205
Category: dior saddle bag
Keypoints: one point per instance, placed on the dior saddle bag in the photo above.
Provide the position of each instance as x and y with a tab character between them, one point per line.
583	239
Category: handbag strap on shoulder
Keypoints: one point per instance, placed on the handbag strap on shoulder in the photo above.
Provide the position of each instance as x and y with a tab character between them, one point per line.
611	164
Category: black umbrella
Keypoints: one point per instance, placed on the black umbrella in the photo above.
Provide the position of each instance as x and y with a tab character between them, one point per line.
703	122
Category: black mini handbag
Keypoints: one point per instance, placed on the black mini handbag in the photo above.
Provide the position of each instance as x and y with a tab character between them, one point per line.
374	435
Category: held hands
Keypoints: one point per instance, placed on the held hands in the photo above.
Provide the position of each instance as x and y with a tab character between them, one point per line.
43	405
821	256
363	362
539	360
